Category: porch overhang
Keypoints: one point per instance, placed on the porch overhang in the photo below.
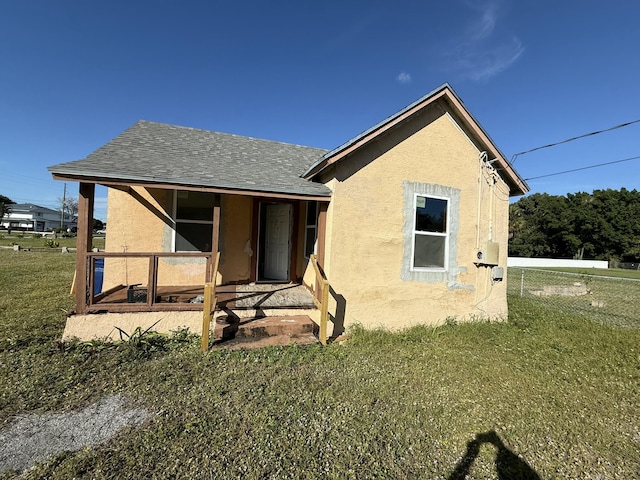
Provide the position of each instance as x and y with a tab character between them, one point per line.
85	258
124	183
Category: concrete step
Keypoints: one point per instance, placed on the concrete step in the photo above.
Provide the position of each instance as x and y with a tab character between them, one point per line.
272	326
263	331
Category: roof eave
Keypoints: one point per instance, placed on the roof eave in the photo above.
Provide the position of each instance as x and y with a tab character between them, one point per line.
516	183
368	135
517	186
113	180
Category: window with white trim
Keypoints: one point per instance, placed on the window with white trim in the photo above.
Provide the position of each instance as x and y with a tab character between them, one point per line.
311	229
193	217
430	233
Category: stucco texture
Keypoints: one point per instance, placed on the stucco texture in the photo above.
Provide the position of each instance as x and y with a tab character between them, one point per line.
147	227
366	220
103	326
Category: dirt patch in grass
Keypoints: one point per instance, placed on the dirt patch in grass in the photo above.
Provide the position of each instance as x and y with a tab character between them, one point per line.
34	438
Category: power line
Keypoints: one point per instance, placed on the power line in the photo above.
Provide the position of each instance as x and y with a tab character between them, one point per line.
583	168
24	180
513	159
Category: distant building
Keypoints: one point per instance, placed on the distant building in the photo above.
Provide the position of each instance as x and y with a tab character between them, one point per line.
34	218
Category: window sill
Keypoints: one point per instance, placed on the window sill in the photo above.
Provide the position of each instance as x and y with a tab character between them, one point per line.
438	270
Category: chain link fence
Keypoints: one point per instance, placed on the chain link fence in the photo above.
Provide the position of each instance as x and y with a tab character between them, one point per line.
603	299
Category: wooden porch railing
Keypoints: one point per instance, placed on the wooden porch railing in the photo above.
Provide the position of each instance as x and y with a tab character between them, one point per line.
210	301
322	291
93	301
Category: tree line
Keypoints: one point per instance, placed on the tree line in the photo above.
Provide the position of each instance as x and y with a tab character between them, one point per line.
5	205
603	225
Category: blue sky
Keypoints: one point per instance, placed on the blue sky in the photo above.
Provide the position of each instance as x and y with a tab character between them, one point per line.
74	74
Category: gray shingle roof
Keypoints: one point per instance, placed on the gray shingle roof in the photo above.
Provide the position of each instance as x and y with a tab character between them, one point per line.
161	153
30	207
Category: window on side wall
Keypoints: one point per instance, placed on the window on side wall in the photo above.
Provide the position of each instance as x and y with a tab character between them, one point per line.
430	233
193	216
311	229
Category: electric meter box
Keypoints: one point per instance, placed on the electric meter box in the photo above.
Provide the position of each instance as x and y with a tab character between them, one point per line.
489	254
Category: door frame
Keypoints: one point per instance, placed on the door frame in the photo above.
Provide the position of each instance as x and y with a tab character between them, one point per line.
274	242
257	240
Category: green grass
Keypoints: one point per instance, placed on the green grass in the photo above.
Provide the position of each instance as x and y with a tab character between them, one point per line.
608	300
28	240
605	272
559	390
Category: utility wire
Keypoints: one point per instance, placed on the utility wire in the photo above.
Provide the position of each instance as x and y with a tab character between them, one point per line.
583	168
513	159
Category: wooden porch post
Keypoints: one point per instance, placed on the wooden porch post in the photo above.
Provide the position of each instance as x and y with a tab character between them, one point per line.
255	222
84	243
215	240
295	225
322	231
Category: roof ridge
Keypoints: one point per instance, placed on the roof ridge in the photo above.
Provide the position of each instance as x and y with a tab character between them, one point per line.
246	137
16	206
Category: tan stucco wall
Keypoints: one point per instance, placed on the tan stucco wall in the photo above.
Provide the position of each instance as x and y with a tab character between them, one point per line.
143	229
365	234
365	230
235	238
132	227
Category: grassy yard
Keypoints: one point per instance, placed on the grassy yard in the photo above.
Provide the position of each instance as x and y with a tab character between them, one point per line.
36	242
605	272
558	390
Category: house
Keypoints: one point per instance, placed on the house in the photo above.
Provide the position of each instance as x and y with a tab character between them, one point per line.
406	223
34	218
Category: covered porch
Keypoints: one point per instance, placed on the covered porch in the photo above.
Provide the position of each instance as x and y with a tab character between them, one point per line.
266	273
178	199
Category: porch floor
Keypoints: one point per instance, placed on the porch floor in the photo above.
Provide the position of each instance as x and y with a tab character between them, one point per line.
242	296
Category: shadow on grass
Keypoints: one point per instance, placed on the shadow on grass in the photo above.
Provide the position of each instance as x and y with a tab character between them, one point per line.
508	464
338	318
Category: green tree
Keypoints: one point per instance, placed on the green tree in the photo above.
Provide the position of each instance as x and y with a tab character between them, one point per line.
619	224
602	225
97	224
538	227
5	203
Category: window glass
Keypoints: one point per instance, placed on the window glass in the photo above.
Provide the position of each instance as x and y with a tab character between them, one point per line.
430	232
311	229
312	209
310	242
193	221
195	206
431	214
193	237
429	251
